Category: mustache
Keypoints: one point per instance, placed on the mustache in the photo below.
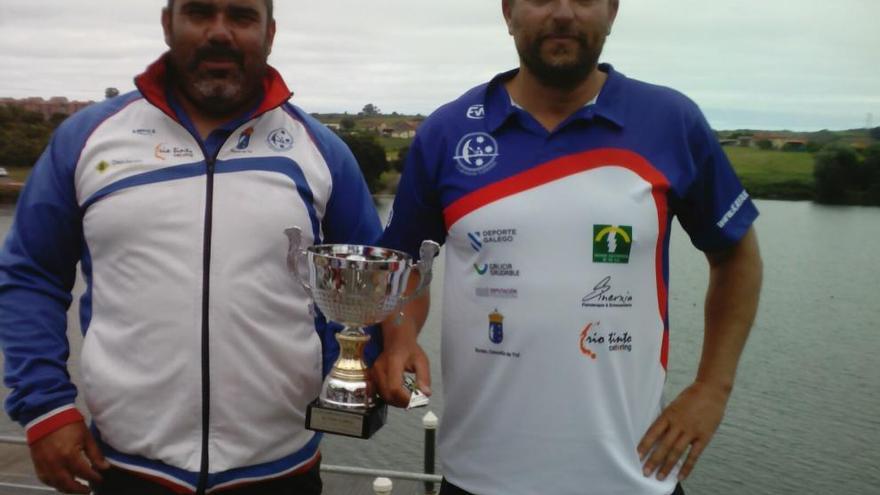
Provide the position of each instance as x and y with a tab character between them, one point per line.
561	33
212	52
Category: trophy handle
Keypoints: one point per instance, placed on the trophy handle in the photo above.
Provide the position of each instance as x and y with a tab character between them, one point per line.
424	266
294	252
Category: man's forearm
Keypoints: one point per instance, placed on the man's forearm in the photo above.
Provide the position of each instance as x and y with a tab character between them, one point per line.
408	321
731	304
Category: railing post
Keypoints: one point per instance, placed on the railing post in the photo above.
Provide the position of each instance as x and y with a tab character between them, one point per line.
382	486
429	422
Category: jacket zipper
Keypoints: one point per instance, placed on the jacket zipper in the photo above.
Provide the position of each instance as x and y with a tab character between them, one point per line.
206	358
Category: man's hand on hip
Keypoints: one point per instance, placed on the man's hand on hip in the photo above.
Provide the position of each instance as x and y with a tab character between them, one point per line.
685	427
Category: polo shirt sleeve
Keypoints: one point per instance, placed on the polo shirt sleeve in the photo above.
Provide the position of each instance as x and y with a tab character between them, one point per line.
417	214
716	211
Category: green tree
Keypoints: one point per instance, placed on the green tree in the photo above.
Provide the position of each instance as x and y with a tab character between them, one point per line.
347	124
813	146
824	137
371	110
872	174
875	133
370	155
398	163
23	135
56	119
764	144
837	169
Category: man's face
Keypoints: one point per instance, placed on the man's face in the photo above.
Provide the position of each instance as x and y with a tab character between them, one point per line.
218	51
559	41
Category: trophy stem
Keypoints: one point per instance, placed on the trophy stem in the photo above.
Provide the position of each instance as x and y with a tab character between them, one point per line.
349	386
350	365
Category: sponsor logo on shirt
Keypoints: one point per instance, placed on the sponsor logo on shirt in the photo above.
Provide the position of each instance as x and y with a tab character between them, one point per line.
603	295
496	327
493	236
476	153
612	243
162	151
734	208
496	269
593	340
144	132
476	112
280	140
496	336
496	292
105	165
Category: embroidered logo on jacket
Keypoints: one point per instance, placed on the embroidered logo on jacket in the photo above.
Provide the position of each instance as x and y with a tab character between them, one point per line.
280	140
244	139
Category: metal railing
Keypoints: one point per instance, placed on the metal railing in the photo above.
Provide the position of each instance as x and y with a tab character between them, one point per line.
382	484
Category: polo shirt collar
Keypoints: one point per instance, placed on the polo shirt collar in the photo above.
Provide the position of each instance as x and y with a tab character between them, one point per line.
609	106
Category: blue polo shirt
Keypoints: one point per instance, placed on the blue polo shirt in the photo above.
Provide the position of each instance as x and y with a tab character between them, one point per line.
555	327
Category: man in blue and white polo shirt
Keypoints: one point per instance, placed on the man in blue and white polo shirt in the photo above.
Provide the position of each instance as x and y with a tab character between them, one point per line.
553	187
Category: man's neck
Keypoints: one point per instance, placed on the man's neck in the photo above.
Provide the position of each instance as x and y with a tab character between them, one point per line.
204	123
551	106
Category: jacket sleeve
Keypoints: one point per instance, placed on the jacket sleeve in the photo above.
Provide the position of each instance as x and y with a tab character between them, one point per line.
351	216
37	272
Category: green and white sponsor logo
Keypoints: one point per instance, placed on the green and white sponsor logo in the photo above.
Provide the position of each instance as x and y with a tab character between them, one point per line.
612	243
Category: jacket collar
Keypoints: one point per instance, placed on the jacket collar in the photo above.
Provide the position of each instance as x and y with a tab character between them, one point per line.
153	84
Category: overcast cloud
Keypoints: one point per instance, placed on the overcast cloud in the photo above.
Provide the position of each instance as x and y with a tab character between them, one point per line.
771	64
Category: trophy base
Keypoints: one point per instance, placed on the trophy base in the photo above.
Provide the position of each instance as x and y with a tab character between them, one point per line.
357	424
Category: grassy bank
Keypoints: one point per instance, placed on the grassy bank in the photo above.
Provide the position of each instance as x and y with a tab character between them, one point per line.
773	174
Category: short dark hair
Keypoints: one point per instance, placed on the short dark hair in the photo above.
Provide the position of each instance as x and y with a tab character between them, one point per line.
269	8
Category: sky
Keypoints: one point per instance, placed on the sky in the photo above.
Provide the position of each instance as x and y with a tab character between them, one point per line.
761	64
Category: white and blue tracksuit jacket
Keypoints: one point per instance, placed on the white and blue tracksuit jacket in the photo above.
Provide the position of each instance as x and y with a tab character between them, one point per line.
199	353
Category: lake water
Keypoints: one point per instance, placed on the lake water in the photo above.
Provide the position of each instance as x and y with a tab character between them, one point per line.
804	417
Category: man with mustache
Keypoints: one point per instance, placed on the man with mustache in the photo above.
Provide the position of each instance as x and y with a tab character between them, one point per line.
582	169
200	354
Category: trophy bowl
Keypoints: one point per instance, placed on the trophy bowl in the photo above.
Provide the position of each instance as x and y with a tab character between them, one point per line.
356	286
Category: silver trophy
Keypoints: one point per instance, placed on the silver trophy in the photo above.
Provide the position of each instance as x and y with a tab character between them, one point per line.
355	286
